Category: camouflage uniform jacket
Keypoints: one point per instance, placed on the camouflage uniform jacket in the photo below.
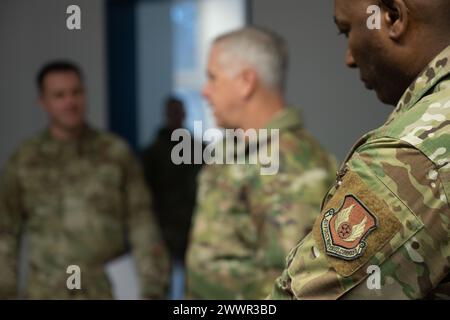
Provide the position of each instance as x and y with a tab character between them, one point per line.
384	231
79	203
245	222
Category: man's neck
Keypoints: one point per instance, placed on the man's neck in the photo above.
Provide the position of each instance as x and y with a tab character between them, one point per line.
61	134
433	49
261	110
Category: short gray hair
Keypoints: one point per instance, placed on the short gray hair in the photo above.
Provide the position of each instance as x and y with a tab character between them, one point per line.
263	50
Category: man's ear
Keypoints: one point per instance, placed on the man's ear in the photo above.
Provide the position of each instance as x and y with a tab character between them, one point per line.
248	80
396	18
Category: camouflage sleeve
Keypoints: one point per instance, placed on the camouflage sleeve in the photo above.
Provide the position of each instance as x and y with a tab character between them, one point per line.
11	219
145	239
383	232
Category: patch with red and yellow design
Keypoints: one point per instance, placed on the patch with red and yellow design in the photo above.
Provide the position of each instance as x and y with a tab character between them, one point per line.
344	230
357	223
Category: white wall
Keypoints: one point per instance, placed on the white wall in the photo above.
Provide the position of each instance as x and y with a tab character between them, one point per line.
33	32
336	106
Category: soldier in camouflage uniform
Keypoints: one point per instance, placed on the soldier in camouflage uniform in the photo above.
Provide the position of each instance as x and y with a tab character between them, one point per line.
77	192
385	226
245	221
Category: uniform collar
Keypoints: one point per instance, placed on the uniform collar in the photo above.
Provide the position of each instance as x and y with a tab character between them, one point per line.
51	146
286	118
435	71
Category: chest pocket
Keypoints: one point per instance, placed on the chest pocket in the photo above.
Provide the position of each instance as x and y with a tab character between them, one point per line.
41	191
103	188
246	222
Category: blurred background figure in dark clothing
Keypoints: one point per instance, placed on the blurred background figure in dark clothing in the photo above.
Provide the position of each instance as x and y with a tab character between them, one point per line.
173	186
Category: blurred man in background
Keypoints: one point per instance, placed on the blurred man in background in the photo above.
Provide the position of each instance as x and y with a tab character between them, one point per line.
173	187
385	225
80	195
244	221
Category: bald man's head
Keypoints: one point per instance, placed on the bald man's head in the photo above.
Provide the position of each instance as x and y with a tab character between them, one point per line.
412	33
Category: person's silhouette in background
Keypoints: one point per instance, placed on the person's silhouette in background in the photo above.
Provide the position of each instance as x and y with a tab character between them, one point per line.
173	186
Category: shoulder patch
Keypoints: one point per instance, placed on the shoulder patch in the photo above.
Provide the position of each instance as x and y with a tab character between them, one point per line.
345	230
355	225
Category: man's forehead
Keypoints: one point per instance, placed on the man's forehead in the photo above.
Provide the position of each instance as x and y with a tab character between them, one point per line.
353	3
345	9
213	59
56	76
61	80
214	53
340	10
